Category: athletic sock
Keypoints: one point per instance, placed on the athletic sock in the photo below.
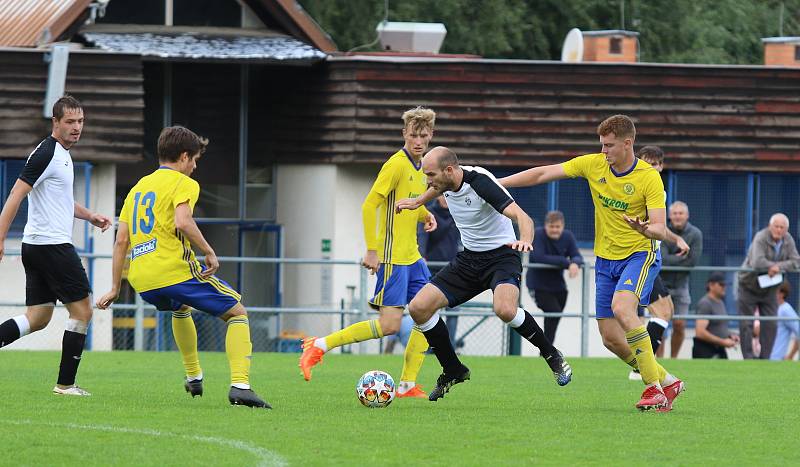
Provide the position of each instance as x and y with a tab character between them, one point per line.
71	351
527	327
413	356
656	328
185	333
14	328
435	331
639	342
239	350
357	332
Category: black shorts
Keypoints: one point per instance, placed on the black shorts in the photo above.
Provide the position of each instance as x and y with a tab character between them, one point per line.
53	272
472	272
659	291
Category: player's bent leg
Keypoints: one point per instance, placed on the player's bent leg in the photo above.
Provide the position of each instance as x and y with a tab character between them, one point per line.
34	319
239	350
80	313
185	334
660	313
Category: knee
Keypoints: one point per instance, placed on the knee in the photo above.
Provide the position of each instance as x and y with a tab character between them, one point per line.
505	313
390	326
678	326
37	324
418	312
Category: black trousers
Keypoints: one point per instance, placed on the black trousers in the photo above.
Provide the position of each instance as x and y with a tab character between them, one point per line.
703	349
550	302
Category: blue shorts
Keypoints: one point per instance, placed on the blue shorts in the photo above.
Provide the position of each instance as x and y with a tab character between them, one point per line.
398	284
213	296
635	274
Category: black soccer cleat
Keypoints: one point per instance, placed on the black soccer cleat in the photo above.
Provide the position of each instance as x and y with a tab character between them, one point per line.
560	368
195	388
445	382
247	398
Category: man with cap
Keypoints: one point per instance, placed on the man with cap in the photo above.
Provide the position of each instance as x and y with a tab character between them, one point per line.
712	337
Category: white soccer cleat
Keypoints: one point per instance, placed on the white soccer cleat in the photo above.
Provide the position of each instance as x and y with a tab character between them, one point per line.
71	391
635	376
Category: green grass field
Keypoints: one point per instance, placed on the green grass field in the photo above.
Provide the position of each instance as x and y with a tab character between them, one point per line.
511	412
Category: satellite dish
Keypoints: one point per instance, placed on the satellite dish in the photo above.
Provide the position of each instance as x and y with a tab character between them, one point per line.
572	50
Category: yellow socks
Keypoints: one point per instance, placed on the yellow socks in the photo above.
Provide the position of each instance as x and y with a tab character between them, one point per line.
239	350
186	338
357	332
639	342
414	355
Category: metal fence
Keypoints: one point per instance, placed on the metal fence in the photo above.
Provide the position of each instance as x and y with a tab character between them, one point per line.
139	326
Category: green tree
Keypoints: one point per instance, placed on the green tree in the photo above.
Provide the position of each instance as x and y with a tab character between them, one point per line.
671	31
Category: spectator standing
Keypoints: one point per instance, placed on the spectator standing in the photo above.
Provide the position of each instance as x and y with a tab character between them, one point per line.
443	244
712	337
772	251
677	282
787	330
552	244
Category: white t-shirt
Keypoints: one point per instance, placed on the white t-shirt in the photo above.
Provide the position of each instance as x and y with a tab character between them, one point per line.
476	208
51	204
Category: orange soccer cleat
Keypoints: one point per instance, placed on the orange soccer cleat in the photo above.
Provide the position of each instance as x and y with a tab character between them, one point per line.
310	357
652	398
672	392
416	391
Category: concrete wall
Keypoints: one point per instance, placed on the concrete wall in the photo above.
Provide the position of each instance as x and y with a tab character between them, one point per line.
12	273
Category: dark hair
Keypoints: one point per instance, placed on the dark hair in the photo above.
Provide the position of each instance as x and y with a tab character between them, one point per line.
64	103
448	157
621	125
651	154
785	288
175	140
554	216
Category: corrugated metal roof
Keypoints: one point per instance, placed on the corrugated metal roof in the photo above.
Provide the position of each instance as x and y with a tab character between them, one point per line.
29	23
197	46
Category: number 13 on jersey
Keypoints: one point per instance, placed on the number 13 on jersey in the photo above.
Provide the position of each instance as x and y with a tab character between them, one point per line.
148	221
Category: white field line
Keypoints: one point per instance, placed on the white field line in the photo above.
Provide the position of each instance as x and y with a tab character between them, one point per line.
265	456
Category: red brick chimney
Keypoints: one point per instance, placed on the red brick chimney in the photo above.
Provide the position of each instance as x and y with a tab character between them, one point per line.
613	45
781	51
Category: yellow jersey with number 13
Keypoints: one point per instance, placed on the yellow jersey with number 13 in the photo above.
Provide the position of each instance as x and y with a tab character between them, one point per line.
160	255
630	193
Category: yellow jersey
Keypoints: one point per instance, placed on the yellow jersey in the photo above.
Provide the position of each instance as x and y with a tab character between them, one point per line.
396	237
160	255
631	193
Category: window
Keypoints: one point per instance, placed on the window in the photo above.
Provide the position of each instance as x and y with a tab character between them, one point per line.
615	46
797	53
134	12
223	13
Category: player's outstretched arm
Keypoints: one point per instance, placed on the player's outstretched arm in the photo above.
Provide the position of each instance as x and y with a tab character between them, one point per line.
683	247
525	223
654	227
97	220
18	192
121	246
186	224
534	176
414	203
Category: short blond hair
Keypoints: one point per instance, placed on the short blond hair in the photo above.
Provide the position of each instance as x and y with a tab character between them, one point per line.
621	125
419	118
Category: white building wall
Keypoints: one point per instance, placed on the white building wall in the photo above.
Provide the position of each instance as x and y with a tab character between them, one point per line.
12	273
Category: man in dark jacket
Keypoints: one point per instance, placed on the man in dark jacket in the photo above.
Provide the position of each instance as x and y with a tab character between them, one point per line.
772	252
552	244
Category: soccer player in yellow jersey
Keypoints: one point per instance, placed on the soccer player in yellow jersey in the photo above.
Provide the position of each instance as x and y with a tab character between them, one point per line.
392	253
630	219
156	224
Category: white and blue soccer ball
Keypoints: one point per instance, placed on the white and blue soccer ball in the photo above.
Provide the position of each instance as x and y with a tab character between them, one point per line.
375	389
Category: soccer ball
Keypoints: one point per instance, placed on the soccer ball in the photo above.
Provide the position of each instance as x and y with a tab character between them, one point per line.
375	389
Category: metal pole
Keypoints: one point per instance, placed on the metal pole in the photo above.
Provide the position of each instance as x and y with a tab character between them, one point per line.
585	288
362	302
138	329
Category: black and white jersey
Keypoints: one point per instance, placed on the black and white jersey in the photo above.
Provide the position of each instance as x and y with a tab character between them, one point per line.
476	208
51	204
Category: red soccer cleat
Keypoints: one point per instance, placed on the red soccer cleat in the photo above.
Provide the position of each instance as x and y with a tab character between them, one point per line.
310	357
672	392
652	398
416	392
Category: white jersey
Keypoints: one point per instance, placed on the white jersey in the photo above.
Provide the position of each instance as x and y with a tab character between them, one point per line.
51	204
476	208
